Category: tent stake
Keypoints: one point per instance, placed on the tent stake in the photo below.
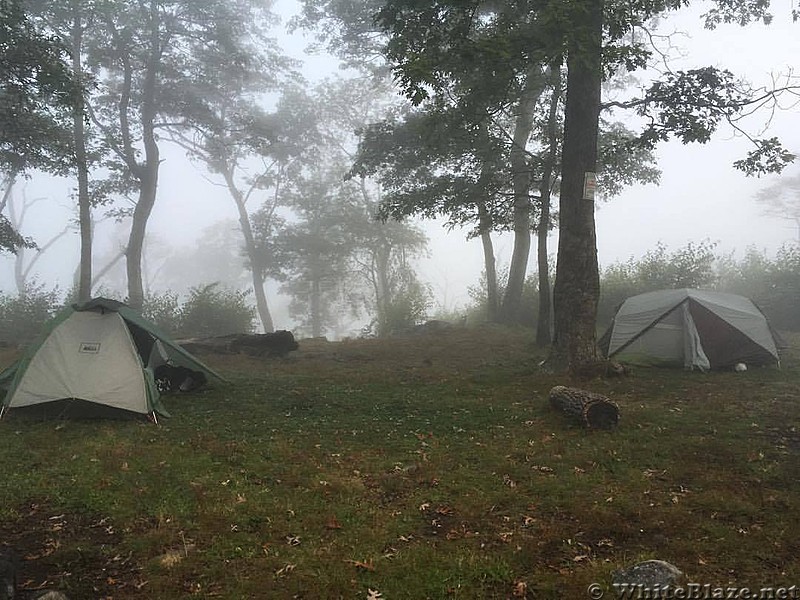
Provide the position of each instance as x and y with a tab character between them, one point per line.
2	411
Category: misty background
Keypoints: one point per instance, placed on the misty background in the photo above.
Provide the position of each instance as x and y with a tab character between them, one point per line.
194	239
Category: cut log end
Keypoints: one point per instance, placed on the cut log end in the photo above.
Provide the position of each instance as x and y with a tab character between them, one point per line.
594	411
603	415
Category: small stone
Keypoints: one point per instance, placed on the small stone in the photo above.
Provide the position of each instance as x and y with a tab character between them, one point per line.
48	595
649	574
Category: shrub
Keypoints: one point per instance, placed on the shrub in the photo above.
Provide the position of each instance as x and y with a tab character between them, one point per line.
406	309
773	284
692	266
780	300
164	310
211	310
528	316
23	315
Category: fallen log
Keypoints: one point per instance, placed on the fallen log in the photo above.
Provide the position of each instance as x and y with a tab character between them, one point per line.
278	343
594	411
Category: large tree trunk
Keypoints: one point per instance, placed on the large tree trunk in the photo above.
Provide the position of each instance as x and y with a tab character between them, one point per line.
147	172
256	268
543	338
141	214
380	258
520	172
383	292
577	286
8	186
489	264
316	302
262	307
84	201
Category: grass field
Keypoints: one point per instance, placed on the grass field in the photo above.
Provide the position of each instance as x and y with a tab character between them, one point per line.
418	467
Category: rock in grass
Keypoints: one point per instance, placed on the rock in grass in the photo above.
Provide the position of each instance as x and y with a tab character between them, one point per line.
8	573
48	595
650	574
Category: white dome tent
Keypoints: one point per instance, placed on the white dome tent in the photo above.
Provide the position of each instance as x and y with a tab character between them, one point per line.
100	352
697	329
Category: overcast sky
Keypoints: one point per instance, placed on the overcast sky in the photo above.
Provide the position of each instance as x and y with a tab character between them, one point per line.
700	195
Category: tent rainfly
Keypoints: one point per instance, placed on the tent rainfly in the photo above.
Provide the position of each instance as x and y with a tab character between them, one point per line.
101	352
696	328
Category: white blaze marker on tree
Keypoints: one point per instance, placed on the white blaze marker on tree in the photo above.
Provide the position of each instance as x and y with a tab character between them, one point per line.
589	185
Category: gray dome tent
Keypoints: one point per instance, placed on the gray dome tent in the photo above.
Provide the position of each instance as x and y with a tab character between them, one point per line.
694	328
100	352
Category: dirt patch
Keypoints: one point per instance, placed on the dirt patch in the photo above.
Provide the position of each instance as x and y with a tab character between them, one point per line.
71	552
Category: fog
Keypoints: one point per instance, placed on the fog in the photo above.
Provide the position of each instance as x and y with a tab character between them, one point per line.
700	197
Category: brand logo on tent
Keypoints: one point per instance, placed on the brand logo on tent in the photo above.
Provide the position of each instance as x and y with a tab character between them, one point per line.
89	347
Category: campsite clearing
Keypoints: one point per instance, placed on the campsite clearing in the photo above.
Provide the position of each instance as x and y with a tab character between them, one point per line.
428	466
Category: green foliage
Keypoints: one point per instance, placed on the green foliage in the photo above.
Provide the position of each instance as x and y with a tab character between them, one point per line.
621	162
10	238
313	253
769	156
320	235
692	266
773	284
529	311
691	105
738	12
207	311
37	95
210	311
451	314
780	300
23	315
405	309
164	310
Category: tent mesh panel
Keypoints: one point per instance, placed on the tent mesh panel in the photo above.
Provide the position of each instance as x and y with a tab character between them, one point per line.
723	344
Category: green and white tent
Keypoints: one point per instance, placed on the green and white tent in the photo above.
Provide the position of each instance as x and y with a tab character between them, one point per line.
100	352
697	329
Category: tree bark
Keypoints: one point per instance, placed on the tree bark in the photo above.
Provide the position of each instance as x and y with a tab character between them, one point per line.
81	163
512	298
577	286
148	171
141	214
316	299
379	271
489	264
543	322
9	180
256	270
383	305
